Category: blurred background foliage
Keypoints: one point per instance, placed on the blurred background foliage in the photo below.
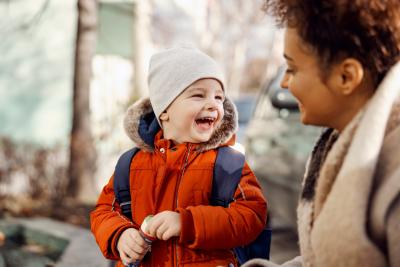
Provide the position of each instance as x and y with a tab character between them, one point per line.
69	69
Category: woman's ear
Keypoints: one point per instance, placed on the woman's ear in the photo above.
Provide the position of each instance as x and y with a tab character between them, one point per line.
164	116
350	76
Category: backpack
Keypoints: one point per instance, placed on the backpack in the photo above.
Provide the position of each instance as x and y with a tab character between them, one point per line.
229	164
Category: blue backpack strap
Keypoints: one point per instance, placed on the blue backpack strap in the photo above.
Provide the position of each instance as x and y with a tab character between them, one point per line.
121	181
227	173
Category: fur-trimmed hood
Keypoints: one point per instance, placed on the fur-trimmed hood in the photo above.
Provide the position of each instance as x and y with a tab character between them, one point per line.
141	126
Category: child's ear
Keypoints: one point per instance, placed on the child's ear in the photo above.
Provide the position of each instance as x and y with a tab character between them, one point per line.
164	116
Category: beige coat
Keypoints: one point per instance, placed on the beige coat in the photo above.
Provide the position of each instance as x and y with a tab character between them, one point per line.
349	209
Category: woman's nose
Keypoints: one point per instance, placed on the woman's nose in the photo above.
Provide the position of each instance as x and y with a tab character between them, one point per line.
285	81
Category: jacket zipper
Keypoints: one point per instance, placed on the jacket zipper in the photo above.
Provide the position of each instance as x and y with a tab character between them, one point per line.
176	194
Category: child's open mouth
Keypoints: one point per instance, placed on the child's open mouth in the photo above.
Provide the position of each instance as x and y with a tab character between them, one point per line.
205	123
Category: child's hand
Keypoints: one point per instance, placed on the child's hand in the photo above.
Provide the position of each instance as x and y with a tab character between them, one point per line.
165	225
131	246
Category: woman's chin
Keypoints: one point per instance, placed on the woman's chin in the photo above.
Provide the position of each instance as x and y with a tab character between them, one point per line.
311	122
304	119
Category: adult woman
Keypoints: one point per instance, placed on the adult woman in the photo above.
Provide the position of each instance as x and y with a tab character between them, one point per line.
342	67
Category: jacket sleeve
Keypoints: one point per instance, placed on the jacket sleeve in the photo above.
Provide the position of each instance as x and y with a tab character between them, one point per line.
107	222
214	227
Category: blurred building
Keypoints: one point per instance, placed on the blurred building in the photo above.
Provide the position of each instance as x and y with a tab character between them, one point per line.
36	69
37	63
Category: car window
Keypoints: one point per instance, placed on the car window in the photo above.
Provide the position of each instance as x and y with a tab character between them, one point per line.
264	109
274	100
245	107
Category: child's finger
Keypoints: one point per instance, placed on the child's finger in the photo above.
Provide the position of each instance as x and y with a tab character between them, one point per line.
139	250
125	258
166	235
154	225
161	230
128	252
170	232
136	238
134	253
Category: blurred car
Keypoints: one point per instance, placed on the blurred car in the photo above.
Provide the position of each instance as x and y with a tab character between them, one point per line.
245	106
277	147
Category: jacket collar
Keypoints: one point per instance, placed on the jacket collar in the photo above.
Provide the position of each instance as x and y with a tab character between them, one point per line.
142	127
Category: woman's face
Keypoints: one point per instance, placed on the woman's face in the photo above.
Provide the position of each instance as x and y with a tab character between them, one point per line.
321	103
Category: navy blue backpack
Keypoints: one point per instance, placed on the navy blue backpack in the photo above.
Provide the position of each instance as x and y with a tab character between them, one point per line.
227	174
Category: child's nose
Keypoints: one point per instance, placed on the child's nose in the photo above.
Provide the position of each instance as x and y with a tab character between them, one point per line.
212	104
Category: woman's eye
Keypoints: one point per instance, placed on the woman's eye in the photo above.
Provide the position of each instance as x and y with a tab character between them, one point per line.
289	70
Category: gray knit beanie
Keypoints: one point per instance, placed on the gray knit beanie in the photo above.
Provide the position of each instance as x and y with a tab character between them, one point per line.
175	69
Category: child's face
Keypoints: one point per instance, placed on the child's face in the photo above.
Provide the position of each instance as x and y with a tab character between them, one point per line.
195	114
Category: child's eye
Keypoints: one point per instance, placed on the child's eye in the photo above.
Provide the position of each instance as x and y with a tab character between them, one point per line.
197	95
219	97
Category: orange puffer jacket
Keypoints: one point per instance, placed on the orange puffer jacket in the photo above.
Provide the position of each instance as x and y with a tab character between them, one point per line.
179	178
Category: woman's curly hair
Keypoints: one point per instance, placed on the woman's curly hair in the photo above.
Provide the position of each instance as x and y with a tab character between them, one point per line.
368	30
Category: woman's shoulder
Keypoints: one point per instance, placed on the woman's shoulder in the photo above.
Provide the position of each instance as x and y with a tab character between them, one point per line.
394	120
389	159
385	198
